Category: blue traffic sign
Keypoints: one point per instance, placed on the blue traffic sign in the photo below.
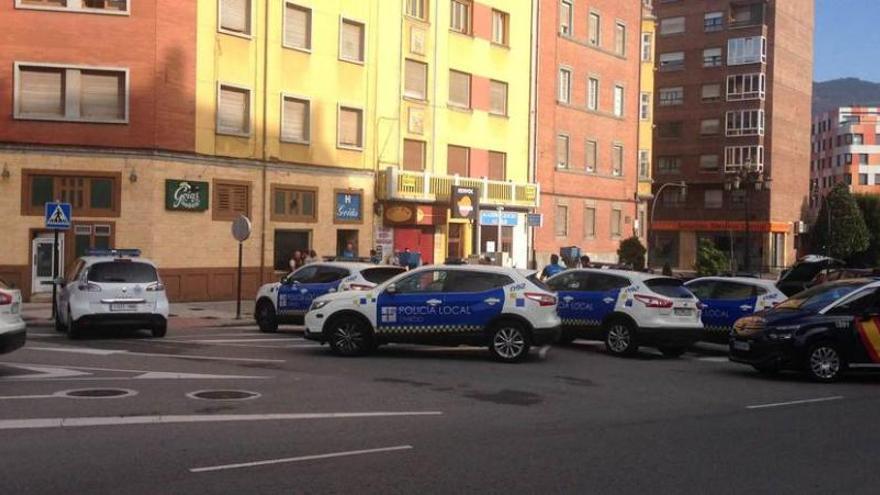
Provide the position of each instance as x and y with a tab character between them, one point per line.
58	216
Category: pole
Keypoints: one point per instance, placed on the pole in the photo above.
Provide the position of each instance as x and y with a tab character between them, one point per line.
498	246
748	262
830	227
238	298
54	275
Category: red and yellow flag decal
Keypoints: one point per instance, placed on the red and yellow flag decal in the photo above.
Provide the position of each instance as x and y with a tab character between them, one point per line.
869	331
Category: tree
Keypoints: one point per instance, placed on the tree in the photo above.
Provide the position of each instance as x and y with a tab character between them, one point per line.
710	260
869	205
632	252
849	234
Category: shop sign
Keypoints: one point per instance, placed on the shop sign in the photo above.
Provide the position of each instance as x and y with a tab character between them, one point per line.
534	219
186	195
349	207
412	214
507	218
465	201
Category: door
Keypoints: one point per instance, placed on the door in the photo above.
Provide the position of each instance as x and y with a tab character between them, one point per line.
863	336
471	300
572	308
43	261
729	302
293	294
413	306
599	294
417	240
455	241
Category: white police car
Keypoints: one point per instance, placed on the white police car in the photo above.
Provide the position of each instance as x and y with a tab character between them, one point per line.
626	310
288	300
504	308
727	299
114	287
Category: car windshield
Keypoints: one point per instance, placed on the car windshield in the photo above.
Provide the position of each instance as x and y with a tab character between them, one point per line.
818	297
123	272
533	278
669	287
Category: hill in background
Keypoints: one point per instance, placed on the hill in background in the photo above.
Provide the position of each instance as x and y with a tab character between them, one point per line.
849	91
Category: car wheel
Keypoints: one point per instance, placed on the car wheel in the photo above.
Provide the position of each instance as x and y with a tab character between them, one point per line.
159	330
509	342
620	338
672	352
349	336
266	318
824	362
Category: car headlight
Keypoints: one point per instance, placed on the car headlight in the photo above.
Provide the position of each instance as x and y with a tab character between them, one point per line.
782	333
318	305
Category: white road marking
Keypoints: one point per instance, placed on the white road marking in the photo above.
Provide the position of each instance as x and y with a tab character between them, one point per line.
714	359
65	394
14	397
299	459
36	423
233	341
79	350
42	372
70	373
110	352
795	402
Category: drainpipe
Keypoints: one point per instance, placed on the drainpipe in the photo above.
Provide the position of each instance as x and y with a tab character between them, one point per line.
533	122
265	139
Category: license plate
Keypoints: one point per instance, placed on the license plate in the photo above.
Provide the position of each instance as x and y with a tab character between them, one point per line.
683	312
15	308
741	346
123	307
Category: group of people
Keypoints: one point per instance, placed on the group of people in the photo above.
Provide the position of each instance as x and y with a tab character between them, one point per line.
555	267
301	258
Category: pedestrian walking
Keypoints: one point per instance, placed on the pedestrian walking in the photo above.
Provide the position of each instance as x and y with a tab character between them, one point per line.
553	268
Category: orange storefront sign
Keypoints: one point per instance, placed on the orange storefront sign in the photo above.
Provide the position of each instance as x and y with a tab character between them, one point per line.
720	225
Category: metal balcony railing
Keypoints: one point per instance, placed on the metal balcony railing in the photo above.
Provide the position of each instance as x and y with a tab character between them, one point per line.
404	185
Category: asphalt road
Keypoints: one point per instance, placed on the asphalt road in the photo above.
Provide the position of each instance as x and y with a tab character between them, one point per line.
418	420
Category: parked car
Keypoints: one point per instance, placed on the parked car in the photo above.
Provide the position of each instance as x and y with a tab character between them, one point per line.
505	309
627	310
802	275
727	299
288	300
12	327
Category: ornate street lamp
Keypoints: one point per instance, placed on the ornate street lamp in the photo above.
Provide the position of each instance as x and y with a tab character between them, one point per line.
747	178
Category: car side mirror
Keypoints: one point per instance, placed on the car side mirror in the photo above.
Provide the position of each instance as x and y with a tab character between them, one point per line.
391	289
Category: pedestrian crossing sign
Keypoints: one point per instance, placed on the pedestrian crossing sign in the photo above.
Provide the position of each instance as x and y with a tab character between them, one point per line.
58	216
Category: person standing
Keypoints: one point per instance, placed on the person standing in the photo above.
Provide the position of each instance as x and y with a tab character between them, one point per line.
553	268
311	258
585	261
348	253
296	261
375	258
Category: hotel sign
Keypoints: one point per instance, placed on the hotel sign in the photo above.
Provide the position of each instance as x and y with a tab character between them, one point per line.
186	195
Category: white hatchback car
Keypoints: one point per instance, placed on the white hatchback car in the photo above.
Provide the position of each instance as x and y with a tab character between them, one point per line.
114	287
627	309
12	327
506	309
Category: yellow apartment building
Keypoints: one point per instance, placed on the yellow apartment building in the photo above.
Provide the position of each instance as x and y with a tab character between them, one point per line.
646	117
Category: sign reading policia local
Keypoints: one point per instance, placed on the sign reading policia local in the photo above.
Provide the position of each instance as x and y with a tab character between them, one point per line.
186	195
465	202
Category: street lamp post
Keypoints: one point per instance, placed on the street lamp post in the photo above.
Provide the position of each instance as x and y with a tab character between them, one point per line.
748	177
823	200
681	185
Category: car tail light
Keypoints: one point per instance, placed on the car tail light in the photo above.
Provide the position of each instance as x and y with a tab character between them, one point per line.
156	287
653	302
5	299
359	287
541	299
89	287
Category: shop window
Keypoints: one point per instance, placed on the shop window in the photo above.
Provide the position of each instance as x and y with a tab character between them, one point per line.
89	196
294	204
286	243
231	199
347	244
489	239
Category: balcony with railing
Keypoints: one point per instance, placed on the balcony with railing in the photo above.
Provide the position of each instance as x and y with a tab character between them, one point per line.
394	184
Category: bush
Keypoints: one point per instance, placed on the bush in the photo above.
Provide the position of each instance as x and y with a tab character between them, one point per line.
631	252
849	234
710	260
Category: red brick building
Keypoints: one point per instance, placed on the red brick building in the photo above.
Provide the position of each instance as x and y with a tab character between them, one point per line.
733	91
587	124
846	149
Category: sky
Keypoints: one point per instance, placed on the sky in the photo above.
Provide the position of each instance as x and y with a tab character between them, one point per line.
847	39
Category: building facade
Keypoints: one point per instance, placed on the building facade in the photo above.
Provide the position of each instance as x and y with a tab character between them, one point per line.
732	100
588	125
646	118
846	150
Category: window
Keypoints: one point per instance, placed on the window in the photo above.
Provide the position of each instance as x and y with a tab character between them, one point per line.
595	26
589	221
877	179
89	194
746	87
561	221
645	106
590	150
235	16
458	160
863	159
617	160
93	6
497	165
74	94
234	111
711	92
669	164
708	163
415	80
500	21
413	155
351	41
713	21
847	179
562	151
618	101
671	96
297	27
737	157
461	281
672	25
593	94
295	120
294	204
671	61
416	8
745	123
426	281
647	47
616	222
644	164
712	57
459	89
460	19
620	39
565	17
743	51
350	130
847	158
713	198
710	127
643	222
746	15
669	129
564	95
863	179
497	98
231	199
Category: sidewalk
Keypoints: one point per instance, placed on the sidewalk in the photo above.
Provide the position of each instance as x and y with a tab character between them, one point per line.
181	316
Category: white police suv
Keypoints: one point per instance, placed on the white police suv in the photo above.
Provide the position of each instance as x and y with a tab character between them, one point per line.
111	287
288	300
504	308
626	310
727	299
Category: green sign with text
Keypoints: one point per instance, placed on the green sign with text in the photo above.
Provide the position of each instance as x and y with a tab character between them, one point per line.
186	195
